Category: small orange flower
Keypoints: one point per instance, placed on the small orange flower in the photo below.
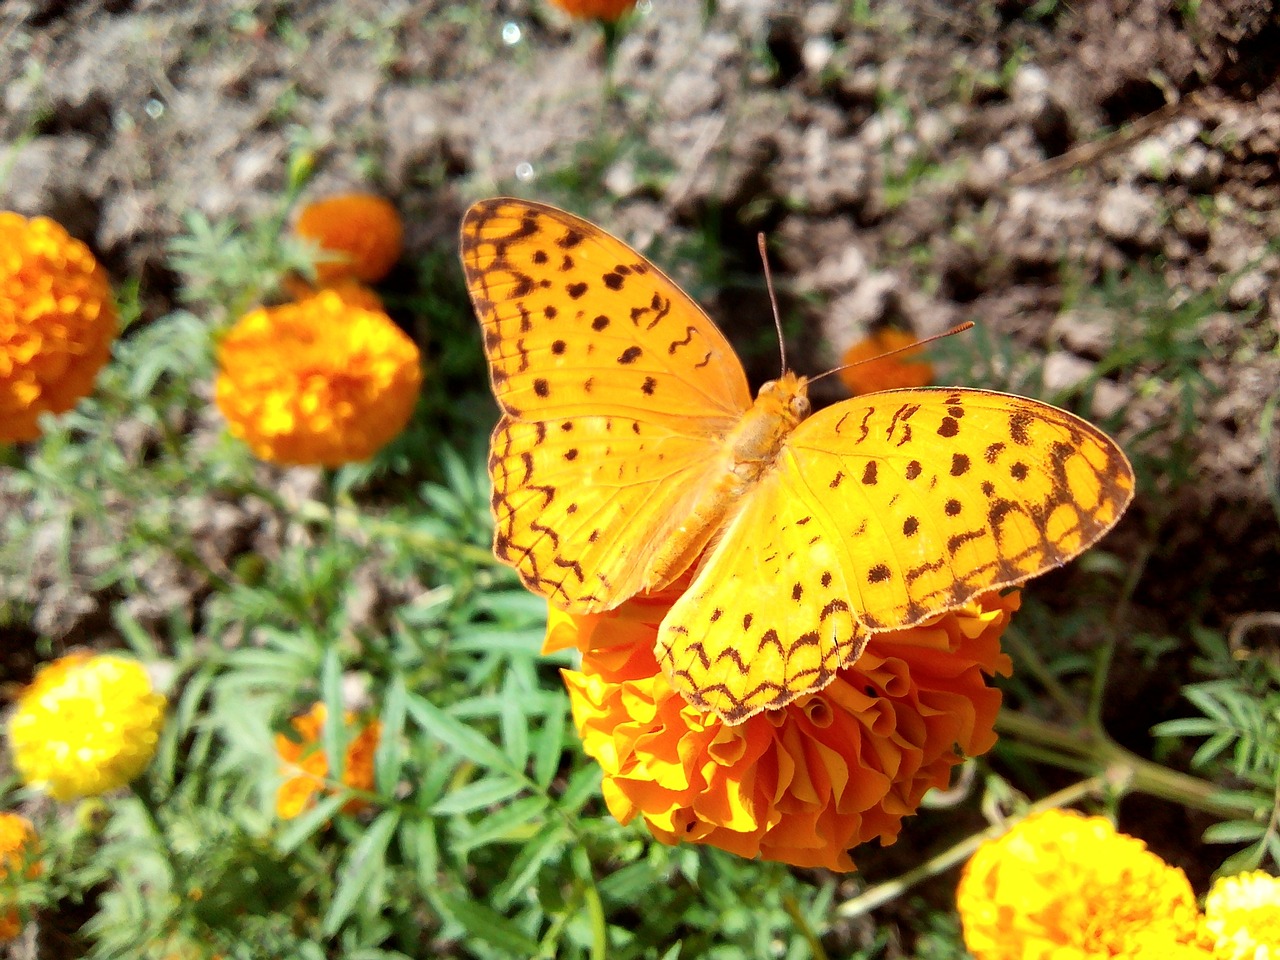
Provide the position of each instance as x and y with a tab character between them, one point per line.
18	851
595	9
57	322
317	382
802	784
363	230
872	375
306	768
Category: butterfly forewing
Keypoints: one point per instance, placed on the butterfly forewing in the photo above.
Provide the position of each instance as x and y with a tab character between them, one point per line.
575	319
615	390
941	494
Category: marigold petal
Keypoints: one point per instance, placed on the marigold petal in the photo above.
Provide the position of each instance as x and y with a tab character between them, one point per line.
608	10
875	372
802	784
306	768
317	382
57	322
19	851
1063	885
86	725
364	231
1242	917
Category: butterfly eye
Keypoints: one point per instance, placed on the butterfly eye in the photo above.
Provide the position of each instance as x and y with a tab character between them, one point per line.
800	407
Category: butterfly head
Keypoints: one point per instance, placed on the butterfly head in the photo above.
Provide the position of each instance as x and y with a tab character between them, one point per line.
786	399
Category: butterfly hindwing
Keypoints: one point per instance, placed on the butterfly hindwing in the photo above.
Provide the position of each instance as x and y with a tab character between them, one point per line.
766	617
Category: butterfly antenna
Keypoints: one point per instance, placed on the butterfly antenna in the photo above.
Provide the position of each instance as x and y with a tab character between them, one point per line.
959	328
773	300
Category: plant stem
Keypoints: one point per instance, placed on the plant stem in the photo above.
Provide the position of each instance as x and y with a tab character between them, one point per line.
1135	773
792	906
882	893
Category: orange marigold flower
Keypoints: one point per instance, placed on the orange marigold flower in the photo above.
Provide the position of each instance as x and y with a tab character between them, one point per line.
18	851
802	784
595	9
886	373
363	231
306	768
86	725
1242	917
1063	885
57	322
352	292
317	382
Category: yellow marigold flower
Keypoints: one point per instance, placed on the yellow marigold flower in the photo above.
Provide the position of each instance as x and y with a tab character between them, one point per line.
352	292
317	382
363	230
886	373
18	851
57	322
802	784
595	9
1069	887
306	768
87	724
1242	917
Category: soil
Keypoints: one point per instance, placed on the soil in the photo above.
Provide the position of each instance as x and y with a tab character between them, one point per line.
917	163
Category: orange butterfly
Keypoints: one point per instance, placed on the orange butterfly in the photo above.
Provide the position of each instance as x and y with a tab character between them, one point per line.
629	451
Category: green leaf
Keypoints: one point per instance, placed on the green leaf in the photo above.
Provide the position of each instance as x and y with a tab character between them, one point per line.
515	725
362	864
549	746
516	822
134	635
388	759
595	908
487	925
1234	831
628	885
512	643
583	785
1211	748
457	736
477	795
520	606
419	847
334	733
304	826
1185	727
1249	858
544	847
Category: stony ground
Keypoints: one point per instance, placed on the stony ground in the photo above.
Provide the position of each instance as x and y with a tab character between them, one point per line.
1097	184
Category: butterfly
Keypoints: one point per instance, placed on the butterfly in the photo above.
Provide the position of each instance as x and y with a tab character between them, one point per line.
630	452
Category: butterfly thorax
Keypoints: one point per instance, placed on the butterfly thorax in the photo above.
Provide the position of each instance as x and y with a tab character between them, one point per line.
779	408
747	451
